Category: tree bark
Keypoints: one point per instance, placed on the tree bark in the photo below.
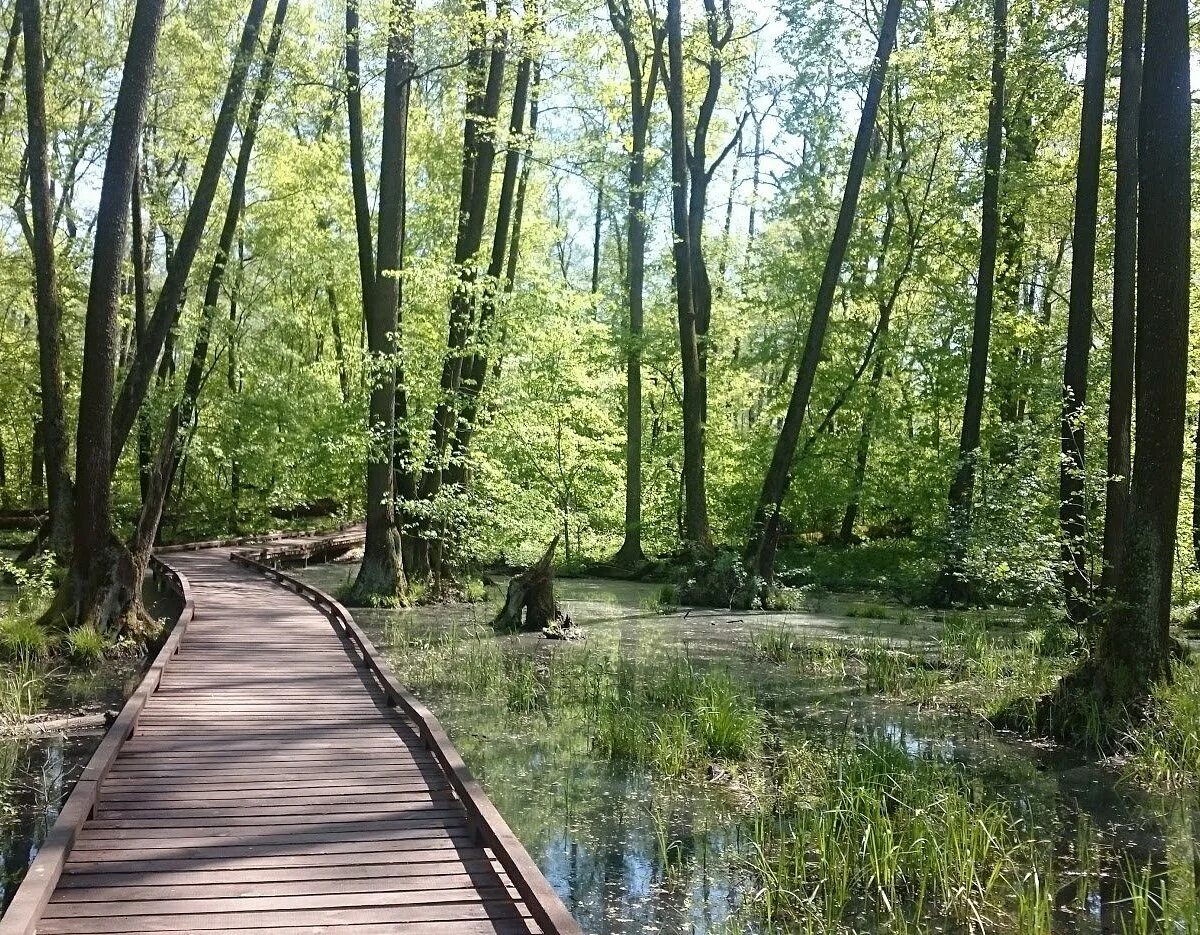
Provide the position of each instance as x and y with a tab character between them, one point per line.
103	587
170	299
475	367
10	55
479	154
1073	517
49	311
1135	647
760	550
381	573
641	103
695	523
180	420
952	586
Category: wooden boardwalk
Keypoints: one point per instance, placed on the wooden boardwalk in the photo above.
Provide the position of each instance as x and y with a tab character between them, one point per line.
278	782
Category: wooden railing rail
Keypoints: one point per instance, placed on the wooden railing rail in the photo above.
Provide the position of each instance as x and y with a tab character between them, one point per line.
31	898
542	901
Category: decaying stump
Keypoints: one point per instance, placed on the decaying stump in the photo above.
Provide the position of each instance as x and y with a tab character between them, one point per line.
531	592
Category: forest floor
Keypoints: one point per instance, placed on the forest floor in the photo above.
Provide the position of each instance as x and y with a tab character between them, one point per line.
826	768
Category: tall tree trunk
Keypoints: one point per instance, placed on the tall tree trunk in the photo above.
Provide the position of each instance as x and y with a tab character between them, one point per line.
953	587
37	463
642	86
479	155
103	587
597	232
695	523
170	298
475	367
1134	648
381	573
10	55
760	550
180	420
1072	497
49	312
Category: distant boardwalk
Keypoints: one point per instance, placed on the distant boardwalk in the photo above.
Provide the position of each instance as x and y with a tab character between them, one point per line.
278	783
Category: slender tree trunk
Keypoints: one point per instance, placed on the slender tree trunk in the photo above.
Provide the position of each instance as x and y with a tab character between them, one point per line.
695	523
953	588
180	420
1072	496
475	368
381	573
10	55
597	232
49	312
37	464
170	298
479	154
760	551
104	586
339	343
641	103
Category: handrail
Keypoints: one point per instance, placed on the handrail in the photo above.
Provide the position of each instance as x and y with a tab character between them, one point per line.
540	898
35	890
251	539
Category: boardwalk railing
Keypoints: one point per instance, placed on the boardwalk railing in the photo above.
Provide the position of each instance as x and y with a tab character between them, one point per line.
35	891
540	898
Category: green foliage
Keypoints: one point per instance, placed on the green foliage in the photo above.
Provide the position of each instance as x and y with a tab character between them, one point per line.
85	645
23	640
870	830
22	692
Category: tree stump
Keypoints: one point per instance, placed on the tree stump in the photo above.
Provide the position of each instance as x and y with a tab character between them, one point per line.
530	593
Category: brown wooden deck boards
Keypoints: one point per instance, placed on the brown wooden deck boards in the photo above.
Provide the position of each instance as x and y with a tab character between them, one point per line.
270	788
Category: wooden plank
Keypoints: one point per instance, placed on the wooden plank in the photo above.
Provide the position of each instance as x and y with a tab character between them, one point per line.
268	784
305	918
336	872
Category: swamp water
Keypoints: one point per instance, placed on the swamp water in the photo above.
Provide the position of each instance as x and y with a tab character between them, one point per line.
640	847
38	771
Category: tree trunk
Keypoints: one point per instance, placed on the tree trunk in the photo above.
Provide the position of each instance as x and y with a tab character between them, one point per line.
952	586
1135	645
180	420
37	464
695	524
641	103
529	604
760	550
104	586
475	366
49	312
10	55
170	299
1072	496
479	154
381	574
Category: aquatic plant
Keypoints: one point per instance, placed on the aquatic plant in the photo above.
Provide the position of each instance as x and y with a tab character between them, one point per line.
1166	747
866	611
23	639
85	645
22	692
663	601
879	832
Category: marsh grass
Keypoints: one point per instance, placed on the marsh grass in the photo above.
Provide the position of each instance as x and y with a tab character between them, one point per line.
1166	747
22	692
869	611
872	832
85	645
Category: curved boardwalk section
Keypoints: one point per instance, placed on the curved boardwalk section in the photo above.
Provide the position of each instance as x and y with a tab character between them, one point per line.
275	784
